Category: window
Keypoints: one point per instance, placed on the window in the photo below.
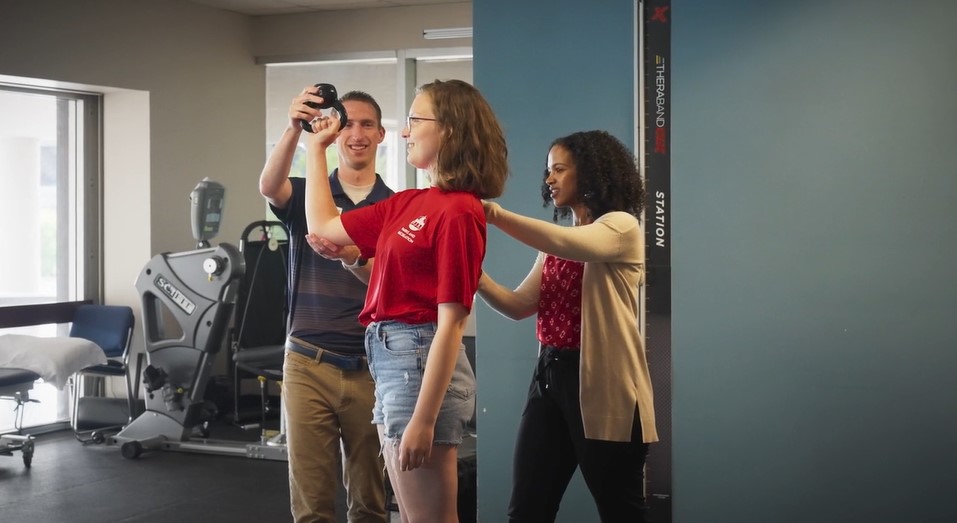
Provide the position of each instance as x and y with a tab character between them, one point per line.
49	201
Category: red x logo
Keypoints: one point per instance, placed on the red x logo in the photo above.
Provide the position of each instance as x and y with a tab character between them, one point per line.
660	15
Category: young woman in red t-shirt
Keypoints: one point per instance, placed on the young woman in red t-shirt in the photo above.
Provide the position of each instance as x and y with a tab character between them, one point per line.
428	246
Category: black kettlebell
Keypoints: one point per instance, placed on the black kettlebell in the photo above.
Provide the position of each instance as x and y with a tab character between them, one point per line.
330	99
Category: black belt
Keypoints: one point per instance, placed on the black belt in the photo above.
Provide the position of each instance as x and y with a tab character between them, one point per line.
341	361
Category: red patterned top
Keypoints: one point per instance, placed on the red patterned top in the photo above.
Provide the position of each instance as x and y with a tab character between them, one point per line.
560	303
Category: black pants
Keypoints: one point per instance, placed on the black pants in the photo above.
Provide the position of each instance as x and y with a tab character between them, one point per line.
551	445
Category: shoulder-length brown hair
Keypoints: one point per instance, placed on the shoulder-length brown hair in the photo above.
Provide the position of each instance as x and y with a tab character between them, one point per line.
473	156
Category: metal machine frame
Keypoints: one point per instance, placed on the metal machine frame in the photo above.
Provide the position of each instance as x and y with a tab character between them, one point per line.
195	291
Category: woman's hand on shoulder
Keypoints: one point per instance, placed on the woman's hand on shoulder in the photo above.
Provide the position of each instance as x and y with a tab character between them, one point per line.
490	208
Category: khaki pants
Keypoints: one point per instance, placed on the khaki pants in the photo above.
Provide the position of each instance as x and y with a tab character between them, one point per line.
328	409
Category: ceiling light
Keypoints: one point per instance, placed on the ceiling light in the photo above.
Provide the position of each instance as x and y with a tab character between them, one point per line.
450	32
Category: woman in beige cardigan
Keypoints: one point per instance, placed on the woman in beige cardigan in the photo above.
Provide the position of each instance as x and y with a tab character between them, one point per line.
590	400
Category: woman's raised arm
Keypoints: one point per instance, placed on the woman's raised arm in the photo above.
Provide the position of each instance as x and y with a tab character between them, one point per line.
322	216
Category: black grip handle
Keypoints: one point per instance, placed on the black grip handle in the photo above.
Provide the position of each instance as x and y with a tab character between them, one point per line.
330	100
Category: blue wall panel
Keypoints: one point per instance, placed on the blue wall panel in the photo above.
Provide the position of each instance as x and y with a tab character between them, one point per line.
548	69
814	226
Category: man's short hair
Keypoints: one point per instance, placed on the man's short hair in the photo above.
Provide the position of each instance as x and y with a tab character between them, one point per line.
362	96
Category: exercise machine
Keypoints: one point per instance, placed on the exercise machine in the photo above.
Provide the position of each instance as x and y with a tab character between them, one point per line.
187	300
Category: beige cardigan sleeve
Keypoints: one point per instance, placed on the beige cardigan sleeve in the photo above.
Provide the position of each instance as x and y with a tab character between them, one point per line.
601	241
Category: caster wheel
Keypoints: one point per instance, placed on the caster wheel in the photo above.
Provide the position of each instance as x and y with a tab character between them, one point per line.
131	449
98	438
27	454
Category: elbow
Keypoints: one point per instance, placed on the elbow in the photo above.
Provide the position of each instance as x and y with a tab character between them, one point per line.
516	313
313	227
319	225
269	189
526	313
510	308
324	227
265	189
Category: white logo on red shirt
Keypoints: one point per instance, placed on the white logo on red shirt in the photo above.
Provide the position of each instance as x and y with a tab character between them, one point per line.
408	233
417	224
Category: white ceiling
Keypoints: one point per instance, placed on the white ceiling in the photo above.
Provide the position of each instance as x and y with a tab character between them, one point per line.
282	7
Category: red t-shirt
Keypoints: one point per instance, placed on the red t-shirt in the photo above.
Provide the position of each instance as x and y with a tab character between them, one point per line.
560	303
428	247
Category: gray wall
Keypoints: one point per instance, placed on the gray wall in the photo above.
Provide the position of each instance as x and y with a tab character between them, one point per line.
196	64
305	36
547	74
814	245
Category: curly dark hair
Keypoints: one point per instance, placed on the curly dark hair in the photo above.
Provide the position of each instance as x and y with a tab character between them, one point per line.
607	172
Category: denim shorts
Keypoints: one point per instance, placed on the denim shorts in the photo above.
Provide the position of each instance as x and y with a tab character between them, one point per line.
397	354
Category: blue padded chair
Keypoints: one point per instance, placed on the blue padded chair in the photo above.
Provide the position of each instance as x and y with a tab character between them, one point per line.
110	327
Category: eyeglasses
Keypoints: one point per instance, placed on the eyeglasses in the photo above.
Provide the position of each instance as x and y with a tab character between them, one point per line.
409	120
